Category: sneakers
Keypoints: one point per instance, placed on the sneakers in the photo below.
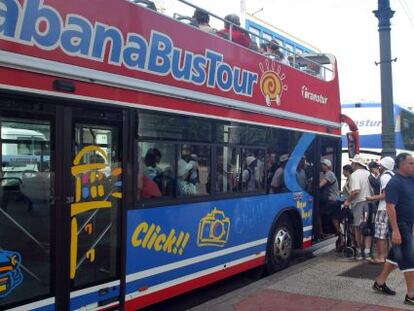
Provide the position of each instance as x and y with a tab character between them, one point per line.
358	255
384	289
408	300
368	257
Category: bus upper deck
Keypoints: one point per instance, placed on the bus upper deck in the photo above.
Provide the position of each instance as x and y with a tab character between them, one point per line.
76	44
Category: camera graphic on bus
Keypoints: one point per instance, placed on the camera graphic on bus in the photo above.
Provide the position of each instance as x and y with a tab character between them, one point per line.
10	273
213	229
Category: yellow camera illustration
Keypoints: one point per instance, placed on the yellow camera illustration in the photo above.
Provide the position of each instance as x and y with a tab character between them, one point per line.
213	229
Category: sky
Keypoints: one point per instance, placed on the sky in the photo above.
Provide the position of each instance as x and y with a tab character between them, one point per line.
346	28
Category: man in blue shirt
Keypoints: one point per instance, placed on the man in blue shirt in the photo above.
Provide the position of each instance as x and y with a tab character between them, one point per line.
399	198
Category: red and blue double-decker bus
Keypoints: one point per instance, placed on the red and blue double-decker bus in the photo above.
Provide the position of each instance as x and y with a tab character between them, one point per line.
143	157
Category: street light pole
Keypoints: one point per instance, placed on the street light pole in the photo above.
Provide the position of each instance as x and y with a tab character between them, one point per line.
384	14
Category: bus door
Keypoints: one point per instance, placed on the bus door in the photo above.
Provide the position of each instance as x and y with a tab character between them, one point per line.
27	206
330	148
95	209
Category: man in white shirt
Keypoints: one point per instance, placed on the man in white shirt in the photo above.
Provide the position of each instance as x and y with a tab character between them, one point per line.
381	217
360	190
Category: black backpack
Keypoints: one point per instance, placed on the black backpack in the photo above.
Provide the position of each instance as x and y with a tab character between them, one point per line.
375	184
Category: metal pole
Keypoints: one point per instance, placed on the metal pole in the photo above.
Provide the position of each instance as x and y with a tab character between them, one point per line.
384	14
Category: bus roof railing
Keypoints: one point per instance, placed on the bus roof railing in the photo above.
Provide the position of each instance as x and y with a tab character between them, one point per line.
296	60
184	18
147	3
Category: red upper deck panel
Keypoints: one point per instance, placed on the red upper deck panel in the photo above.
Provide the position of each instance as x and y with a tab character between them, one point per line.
115	42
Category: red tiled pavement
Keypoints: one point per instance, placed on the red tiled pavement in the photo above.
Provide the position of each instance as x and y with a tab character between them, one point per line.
271	300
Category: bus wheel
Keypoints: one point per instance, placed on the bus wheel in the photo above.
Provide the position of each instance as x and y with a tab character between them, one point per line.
280	245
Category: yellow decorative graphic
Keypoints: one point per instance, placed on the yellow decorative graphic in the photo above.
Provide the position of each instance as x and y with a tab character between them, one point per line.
271	83
302	206
14	260
213	229
90	194
152	237
89	228
90	255
73	247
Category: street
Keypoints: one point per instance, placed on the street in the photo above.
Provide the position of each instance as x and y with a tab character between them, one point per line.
203	295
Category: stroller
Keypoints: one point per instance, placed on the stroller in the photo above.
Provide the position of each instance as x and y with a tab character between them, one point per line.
345	243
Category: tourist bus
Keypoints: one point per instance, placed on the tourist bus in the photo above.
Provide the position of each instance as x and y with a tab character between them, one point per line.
156	148
368	117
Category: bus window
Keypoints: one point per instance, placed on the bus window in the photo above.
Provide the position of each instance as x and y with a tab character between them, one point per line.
227	169
407	130
171	127
98	156
25	210
280	144
240	134
24	147
252	177
193	169
267	36
156	172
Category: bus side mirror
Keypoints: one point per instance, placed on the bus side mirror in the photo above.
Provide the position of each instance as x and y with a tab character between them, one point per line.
352	144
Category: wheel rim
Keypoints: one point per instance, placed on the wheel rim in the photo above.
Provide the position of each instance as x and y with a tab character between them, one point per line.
282	245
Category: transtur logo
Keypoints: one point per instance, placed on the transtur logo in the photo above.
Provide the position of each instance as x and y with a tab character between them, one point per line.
319	98
271	83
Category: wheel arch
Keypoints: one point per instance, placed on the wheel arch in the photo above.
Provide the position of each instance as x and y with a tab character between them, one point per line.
296	220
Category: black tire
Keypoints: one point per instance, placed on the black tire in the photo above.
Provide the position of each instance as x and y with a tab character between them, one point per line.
280	245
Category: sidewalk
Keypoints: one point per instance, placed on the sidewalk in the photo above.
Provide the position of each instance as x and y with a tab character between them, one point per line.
326	282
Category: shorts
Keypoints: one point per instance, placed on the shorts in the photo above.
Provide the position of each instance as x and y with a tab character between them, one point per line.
330	209
357	211
403	256
381	225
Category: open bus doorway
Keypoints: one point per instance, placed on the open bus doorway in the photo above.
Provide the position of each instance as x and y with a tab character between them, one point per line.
324	218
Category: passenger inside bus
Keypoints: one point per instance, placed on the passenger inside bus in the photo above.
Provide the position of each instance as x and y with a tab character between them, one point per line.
329	196
238	34
271	168
152	159
272	50
149	189
194	176
278	182
314	69
301	176
248	174
201	20
184	186
259	171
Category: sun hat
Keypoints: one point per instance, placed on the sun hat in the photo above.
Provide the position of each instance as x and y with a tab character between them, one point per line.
358	160
387	162
284	158
326	162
